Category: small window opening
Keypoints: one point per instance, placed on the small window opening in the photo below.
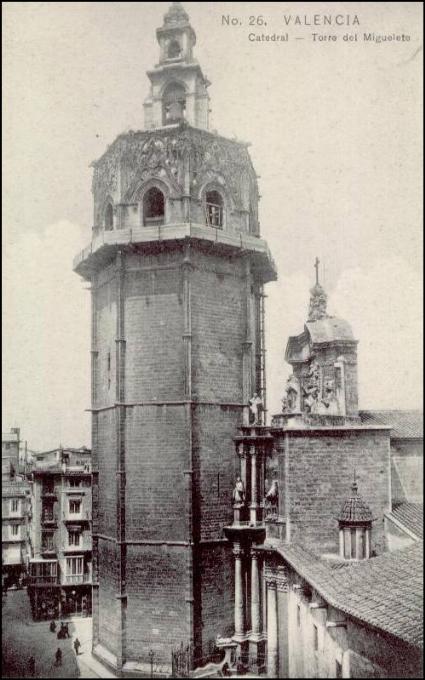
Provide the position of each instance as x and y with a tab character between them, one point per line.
173	104
109	217
153	207
214	209
109	369
174	49
315	638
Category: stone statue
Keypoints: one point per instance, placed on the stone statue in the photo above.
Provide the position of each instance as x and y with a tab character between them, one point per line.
255	407
272	494
272	500
239	492
291	400
311	387
329	402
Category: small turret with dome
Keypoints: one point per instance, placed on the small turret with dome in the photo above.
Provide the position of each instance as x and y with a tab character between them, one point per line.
355	527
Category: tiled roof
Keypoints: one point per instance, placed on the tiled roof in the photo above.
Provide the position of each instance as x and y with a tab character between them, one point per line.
404	424
355	509
411	515
385	592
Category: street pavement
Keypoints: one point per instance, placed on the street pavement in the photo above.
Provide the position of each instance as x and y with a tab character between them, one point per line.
22	638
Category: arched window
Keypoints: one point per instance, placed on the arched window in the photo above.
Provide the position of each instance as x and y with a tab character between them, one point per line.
174	49
153	207
214	209
109	217
173	104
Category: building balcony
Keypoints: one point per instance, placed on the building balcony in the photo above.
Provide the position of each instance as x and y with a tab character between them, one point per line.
77	549
48	493
81	518
43	580
14	539
75	579
105	243
49	519
48	549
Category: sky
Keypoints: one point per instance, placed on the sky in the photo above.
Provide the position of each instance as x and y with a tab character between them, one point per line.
336	138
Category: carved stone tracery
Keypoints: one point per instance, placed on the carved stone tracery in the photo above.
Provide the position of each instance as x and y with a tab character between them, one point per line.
138	156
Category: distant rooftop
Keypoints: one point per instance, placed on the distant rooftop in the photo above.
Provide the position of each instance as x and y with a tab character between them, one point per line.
411	515
386	592
404	424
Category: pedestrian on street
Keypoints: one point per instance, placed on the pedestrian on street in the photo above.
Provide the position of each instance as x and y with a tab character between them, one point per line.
52	626
31	666
58	657
77	646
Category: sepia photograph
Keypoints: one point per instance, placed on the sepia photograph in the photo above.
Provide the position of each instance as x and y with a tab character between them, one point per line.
212	438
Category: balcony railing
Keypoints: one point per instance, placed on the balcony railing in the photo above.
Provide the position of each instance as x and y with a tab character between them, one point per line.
73	579
49	517
43	580
84	516
48	493
49	547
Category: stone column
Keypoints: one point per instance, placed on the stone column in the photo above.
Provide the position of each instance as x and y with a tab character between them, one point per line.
255	594
341	543
359	543
239	593
346	664
272	631
367	544
253	506
243	464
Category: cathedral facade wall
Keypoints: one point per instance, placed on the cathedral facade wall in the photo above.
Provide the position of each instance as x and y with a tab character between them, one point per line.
316	470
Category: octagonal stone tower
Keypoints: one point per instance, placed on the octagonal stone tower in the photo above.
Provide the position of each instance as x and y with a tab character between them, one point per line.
177	268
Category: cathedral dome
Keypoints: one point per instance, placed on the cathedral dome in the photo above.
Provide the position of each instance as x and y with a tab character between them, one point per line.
329	329
355	510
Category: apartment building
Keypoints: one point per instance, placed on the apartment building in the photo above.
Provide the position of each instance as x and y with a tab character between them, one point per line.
60	569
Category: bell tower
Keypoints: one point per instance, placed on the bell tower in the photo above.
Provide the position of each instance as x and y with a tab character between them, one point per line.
178	86
176	266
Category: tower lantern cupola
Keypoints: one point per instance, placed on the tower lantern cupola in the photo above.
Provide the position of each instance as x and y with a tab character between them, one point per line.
324	362
355	526
178	86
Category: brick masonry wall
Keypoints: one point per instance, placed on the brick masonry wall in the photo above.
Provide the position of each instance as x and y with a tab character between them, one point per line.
218	327
107	465
154	334
216	599
109	620
157	614
106	332
215	467
320	467
159	450
157	454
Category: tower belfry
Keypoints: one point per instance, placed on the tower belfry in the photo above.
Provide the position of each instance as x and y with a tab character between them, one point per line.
177	267
178	86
